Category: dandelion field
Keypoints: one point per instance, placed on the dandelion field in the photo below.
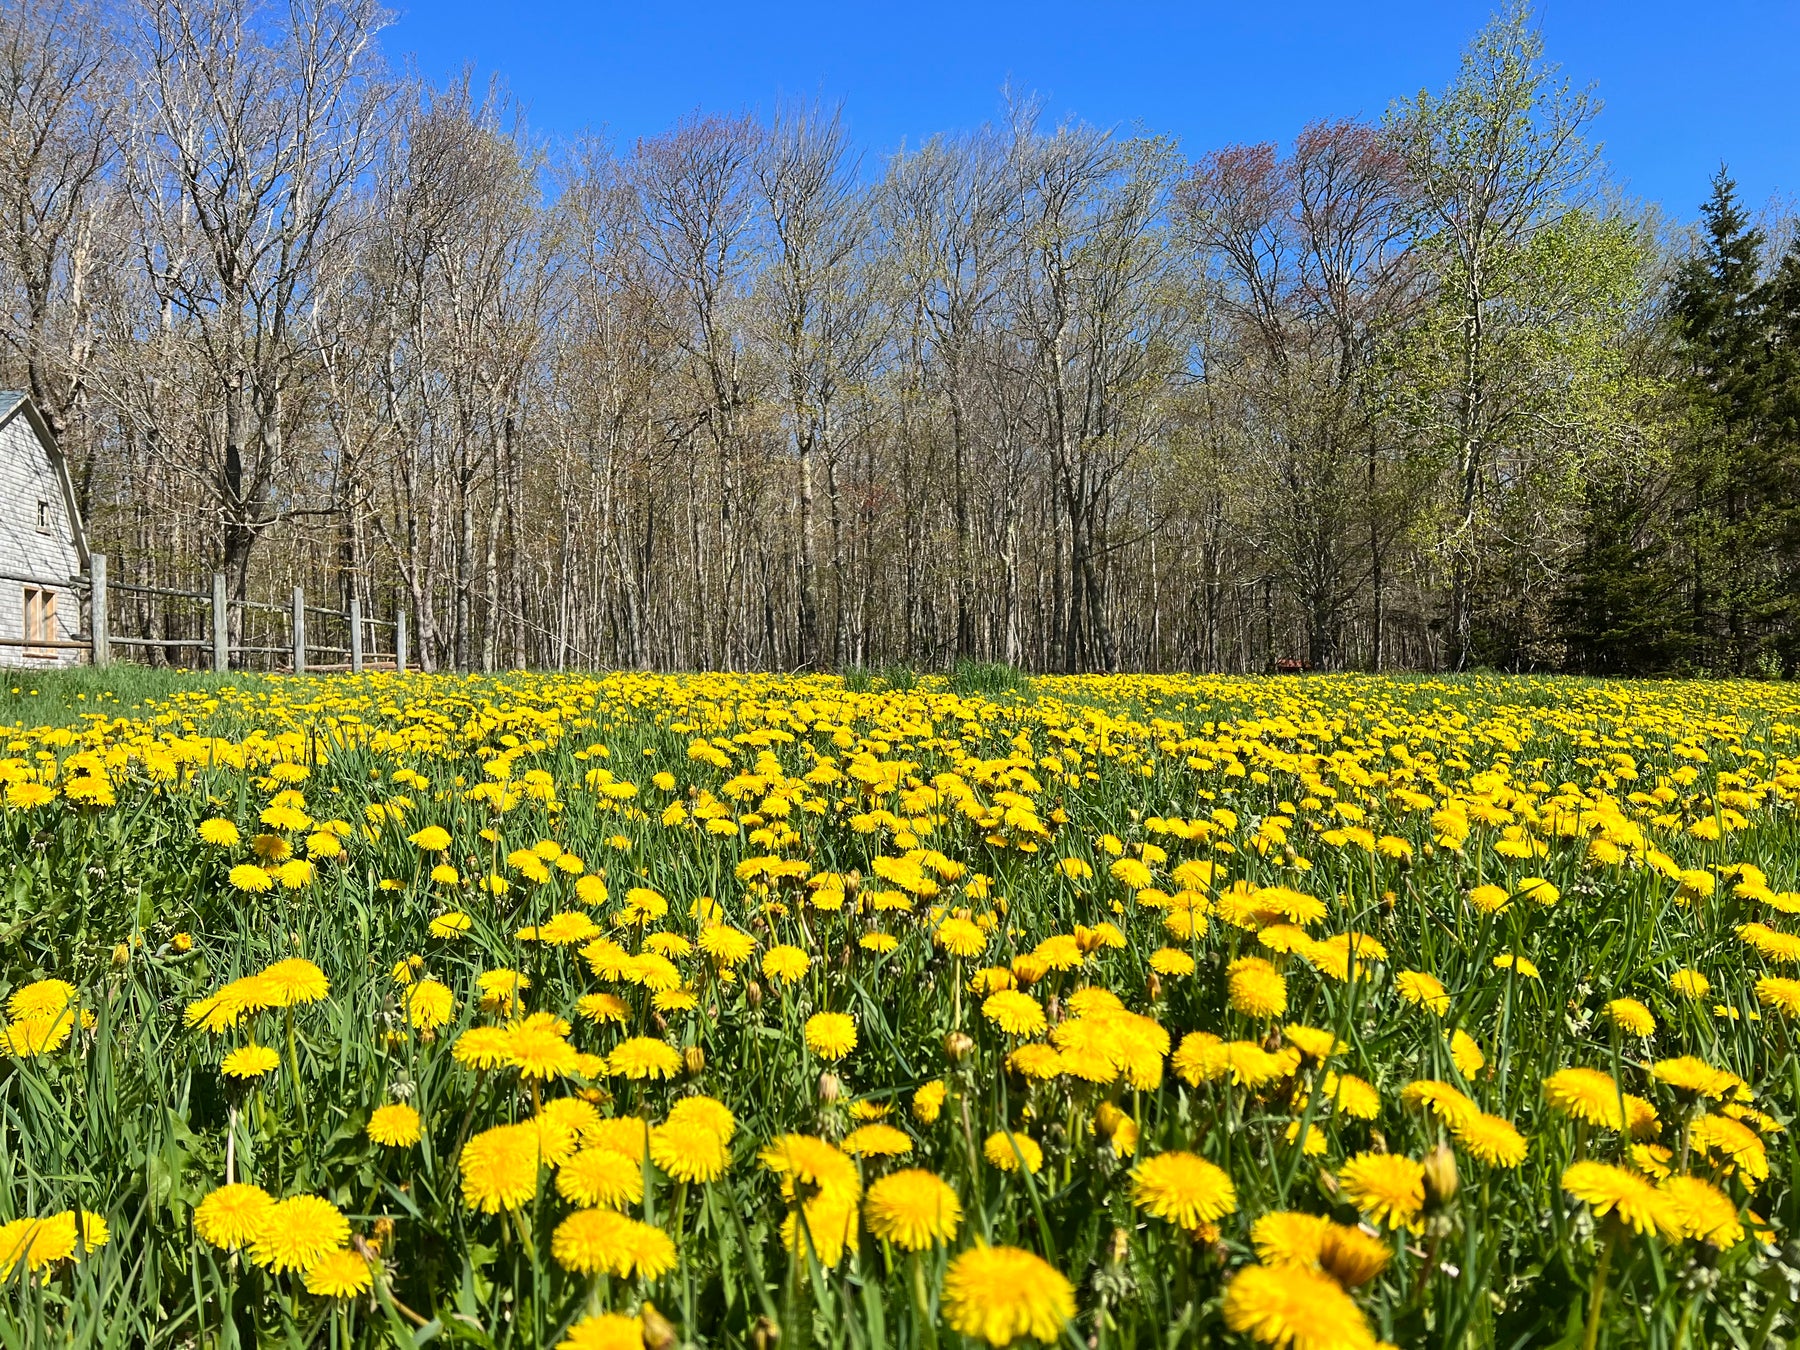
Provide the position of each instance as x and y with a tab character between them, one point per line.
641	1010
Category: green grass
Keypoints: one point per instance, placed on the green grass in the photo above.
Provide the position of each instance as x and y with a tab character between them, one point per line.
67	696
991	678
133	1117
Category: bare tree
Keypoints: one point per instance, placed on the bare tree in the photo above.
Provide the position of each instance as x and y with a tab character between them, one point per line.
246	139
819	316
59	92
952	210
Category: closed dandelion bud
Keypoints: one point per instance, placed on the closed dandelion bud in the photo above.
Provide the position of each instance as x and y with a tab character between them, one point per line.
382	1233
852	881
958	1045
1053	1009
1429	851
766	1334
121	955
1155	985
660	1022
1288	855
829	1087
1121	1245
695	1059
1441	1182
659	1334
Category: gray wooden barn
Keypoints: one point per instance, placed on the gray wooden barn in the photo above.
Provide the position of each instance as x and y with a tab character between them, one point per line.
43	547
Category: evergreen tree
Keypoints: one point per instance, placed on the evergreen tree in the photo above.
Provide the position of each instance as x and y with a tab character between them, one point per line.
1735	594
1781	417
1622	611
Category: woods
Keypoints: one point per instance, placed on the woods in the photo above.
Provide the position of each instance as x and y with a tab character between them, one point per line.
1420	392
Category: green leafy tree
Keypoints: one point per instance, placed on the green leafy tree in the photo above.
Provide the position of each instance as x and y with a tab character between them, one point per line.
1497	159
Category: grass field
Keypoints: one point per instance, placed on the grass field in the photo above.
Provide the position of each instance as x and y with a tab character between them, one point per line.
898	1011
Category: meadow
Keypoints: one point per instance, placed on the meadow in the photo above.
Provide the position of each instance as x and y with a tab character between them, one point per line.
731	1010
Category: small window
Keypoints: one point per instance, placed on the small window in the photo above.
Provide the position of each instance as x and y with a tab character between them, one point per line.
40	620
43	517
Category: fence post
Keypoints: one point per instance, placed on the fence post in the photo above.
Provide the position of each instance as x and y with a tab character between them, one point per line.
355	635
299	631
100	654
400	641
220	626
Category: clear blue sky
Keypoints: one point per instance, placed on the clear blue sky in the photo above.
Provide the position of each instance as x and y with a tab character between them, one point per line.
1686	83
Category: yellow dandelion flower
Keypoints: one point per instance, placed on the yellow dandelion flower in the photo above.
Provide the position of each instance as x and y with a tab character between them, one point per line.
1606	1189
1004	1294
297	1232
339	1274
913	1209
250	1061
394	1125
1388	1187
499	1168
1007	1151
1295	1308
232	1216
601	1177
1183	1188
830	1035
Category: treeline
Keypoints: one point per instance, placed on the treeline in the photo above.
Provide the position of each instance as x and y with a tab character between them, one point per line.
1421	392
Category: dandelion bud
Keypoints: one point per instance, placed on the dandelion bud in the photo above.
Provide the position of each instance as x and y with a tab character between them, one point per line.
852	881
766	1334
829	1087
1288	855
1441	1181
753	994
957	1045
695	1058
382	1233
121	955
659	1334
1155	986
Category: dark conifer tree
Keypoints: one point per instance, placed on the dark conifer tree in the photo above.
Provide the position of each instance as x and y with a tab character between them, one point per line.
1718	307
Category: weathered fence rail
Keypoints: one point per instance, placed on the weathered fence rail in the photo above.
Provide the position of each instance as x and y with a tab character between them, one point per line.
370	642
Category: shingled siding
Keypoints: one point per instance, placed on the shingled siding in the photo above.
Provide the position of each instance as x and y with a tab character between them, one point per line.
26	479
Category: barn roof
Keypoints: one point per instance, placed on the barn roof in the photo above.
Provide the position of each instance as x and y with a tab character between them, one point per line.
15	401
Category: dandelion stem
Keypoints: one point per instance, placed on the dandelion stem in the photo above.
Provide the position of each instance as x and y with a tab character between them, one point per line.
1598	1296
927	1326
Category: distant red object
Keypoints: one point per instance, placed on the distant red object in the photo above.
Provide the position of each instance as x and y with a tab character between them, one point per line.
1287	665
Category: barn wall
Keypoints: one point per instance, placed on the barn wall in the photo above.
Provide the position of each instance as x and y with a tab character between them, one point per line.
27	478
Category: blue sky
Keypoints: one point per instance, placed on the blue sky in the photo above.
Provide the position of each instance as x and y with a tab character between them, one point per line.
1685	84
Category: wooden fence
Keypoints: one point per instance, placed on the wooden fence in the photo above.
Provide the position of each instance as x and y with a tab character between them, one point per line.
368	643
